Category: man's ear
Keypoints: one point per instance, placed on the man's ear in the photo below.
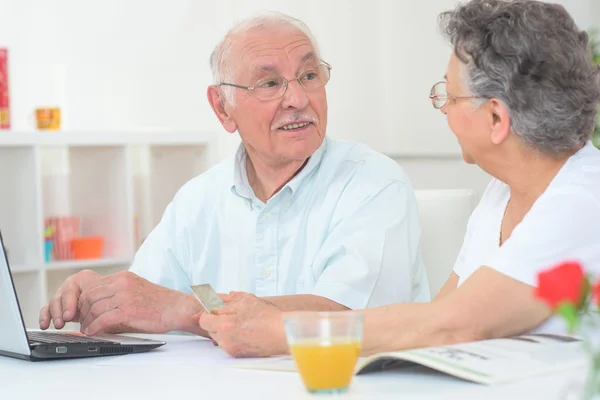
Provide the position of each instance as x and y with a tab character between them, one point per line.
218	105
499	121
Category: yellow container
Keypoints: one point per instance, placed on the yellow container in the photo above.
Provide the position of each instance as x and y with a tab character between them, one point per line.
47	118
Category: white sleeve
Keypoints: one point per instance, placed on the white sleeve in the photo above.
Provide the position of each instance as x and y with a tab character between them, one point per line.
474	220
560	226
160	259
370	256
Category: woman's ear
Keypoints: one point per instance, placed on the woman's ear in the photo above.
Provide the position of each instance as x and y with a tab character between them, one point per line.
499	121
218	105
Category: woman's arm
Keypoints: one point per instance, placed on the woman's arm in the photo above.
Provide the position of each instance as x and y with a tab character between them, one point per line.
488	305
449	286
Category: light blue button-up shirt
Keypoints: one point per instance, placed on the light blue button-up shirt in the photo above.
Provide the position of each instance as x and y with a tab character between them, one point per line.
345	228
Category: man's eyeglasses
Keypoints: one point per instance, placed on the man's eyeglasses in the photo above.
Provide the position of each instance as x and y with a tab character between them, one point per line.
439	95
275	87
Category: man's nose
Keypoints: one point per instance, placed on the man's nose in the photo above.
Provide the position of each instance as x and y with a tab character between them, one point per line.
295	96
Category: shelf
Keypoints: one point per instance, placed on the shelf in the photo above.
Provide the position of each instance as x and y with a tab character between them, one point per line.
20	269
116	185
85	264
58	138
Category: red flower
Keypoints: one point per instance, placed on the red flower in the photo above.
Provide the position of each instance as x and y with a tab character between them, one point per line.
596	291
561	284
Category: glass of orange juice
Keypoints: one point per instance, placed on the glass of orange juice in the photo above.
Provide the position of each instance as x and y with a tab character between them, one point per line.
325	347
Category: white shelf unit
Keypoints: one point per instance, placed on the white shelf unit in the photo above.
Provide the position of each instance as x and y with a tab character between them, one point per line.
118	184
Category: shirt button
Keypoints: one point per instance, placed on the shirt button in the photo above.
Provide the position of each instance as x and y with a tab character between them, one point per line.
266	273
287	204
267	215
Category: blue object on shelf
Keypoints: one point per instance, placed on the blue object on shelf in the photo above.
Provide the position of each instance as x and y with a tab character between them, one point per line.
48	244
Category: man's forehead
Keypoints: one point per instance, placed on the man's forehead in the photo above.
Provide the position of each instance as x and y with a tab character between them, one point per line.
260	48
271	64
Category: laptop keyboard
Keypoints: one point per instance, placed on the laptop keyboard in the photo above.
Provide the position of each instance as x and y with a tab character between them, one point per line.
53	338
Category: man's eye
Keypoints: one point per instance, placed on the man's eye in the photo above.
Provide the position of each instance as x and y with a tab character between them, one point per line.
268	84
309	76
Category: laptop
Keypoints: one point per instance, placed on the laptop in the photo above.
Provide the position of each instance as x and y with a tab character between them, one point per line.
32	345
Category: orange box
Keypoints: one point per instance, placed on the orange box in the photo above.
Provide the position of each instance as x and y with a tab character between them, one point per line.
87	247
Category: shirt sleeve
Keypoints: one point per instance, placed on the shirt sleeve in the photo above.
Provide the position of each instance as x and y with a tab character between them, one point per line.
160	258
560	226
371	255
474	220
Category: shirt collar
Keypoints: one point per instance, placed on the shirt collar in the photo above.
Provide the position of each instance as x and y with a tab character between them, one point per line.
311	166
241	186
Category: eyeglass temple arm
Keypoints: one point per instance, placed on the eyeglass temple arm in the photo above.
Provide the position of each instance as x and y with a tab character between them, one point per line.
234	85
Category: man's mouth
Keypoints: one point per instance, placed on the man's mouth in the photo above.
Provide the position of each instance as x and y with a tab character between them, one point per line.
295	126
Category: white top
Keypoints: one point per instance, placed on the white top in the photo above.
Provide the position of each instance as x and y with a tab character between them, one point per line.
563	224
345	228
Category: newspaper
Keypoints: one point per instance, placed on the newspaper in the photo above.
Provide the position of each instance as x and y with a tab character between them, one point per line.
487	362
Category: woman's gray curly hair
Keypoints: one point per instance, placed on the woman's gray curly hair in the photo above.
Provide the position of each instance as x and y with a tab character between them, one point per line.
532	57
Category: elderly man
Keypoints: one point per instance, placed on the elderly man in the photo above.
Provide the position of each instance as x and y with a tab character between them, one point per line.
299	219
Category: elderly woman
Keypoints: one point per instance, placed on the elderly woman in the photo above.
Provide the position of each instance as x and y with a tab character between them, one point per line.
520	94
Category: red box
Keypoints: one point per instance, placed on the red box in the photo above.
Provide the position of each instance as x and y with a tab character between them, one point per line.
65	230
4	96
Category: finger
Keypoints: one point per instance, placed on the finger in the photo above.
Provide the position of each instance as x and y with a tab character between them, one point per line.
56	311
72	290
96	310
196	317
91	296
45	317
225	297
227	310
215	338
237	296
209	323
68	300
109	320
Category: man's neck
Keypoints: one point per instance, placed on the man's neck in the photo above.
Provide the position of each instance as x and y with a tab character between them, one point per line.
267	177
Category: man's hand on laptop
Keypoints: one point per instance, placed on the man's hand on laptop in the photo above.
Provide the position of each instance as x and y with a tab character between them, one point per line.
121	302
63	306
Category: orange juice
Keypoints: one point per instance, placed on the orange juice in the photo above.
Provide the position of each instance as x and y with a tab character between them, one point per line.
326	366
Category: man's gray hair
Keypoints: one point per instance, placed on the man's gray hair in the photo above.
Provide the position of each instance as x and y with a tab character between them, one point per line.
532	57
223	63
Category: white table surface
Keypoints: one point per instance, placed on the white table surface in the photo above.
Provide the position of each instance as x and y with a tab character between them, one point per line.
193	368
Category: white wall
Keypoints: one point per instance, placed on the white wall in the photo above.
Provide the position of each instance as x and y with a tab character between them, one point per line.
143	65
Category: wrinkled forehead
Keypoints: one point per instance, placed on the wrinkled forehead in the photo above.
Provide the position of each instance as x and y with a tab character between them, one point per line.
275	51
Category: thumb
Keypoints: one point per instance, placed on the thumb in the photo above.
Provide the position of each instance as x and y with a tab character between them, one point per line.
196	317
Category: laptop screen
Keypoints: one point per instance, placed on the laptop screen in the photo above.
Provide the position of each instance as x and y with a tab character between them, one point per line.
13	338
